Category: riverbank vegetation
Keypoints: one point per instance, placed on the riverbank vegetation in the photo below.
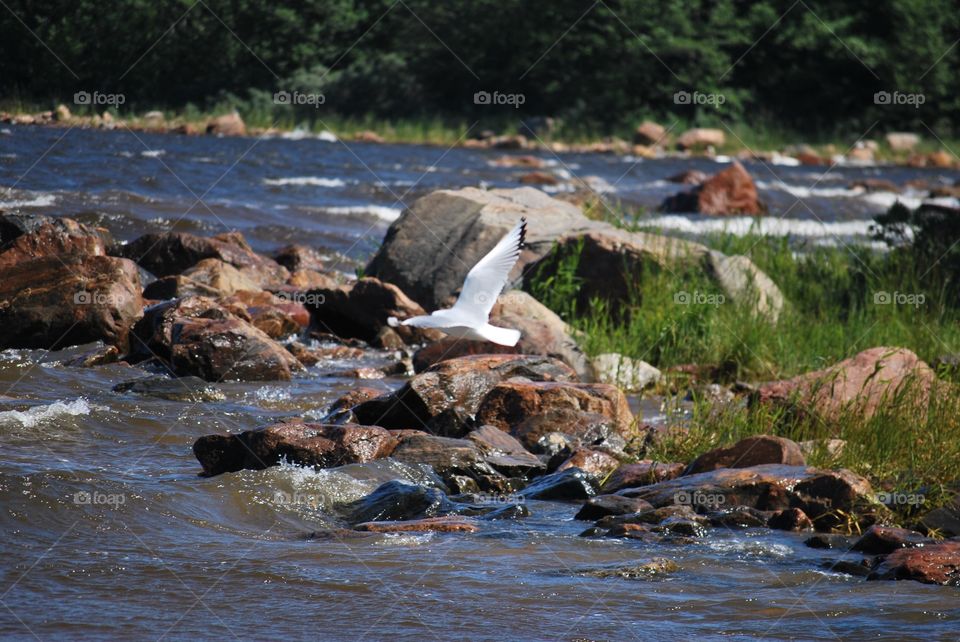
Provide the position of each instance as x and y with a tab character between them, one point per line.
807	71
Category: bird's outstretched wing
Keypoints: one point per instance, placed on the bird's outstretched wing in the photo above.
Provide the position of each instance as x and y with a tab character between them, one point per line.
486	280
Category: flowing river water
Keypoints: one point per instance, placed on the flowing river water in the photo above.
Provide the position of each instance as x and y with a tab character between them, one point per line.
109	533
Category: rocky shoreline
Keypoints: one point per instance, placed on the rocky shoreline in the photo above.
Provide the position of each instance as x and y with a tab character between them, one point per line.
650	140
492	428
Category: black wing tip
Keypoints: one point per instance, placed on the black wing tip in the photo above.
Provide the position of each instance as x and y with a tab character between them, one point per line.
523	233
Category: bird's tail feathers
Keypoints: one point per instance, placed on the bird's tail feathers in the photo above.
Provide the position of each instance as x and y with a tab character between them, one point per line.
500	336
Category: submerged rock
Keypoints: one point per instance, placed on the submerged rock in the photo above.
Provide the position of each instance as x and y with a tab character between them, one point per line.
320	445
603	505
56	301
879	540
186	389
752	451
455	387
572	483
445	524
398	501
824	495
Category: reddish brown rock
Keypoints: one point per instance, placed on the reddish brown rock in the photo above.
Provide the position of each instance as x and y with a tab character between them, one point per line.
198	336
55	301
790	519
649	133
319	445
306	280
880	540
299	257
593	462
603	505
444	524
455	388
752	451
174	252
227	125
822	494
730	191
511	403
642	473
539	178
933	564
27	236
312	356
449	458
276	316
860	384
361	311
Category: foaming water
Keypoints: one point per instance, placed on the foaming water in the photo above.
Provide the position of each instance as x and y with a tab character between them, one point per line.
38	415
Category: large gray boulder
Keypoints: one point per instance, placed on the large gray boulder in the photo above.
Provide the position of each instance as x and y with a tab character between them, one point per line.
428	251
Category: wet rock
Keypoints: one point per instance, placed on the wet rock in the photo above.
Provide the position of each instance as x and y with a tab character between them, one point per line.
511	403
849	567
790	519
311	356
645	570
320	445
276	316
649	133
29	236
880	540
752	451
227	125
445	524
628	530
448	458
197	336
642	473
541	433
183	389
932	564
504	452
510	511
101	355
821	494
571	483
361	310
739	517
176	287
653	516
456	384
300	257
682	526
174	252
861	384
603	505
70	299
398	501
593	462
829	541
701	138
730	191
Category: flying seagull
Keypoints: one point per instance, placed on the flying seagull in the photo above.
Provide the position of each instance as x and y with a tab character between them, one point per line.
469	317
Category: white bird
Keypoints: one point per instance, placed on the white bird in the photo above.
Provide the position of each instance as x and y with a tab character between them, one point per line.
469	318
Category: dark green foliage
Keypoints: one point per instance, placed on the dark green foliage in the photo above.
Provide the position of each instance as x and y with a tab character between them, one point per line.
812	66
